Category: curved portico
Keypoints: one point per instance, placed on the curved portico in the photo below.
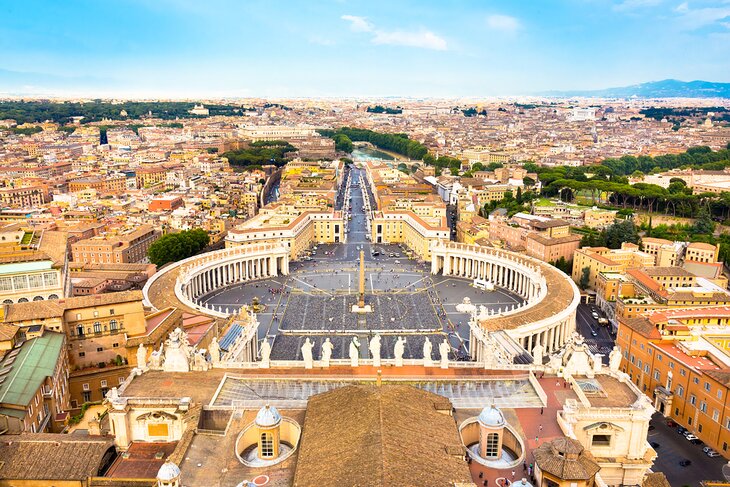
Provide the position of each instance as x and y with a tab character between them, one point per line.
548	316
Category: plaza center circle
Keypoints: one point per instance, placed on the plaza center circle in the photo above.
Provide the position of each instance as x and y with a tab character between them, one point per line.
315	300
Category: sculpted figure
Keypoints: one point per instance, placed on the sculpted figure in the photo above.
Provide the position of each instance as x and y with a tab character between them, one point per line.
444	349
141	357
215	351
427	349
375	350
307	353
354	352
614	359
265	354
400	346
326	352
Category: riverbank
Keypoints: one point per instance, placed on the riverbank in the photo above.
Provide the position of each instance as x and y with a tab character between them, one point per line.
370	147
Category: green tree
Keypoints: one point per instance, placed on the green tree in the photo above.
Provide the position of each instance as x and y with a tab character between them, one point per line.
585	276
704	224
620	232
177	246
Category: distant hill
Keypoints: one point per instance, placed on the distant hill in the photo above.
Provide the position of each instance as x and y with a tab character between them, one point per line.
668	88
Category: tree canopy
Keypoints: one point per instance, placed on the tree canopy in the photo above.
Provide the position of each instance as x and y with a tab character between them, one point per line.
177	246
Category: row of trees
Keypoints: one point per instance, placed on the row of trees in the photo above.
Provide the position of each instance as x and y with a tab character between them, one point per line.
177	246
63	112
398	143
260	153
382	109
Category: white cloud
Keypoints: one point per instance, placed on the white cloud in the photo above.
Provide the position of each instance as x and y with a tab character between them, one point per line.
424	39
358	24
635	4
503	23
696	18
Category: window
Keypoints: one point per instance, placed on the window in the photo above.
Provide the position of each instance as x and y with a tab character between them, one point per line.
111	311
96	314
646	368
682	372
699	429
659	357
97	327
657	375
87	396
103	383
121	380
113	325
707	386
267	445
82	354
601	440
703	406
692	399
715	415
80	330
696	380
85	387
99	349
671	365
680	391
115	345
727	423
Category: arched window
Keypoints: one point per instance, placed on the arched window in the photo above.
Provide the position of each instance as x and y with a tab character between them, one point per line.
97	327
53	296
492	449
8	301
267	445
113	325
23	300
38	298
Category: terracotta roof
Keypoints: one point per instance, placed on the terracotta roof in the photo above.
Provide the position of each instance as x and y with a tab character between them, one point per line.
642	326
655	479
45	456
566	459
723	377
7	332
376	436
54	308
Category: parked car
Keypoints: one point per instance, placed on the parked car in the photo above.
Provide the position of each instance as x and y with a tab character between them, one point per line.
594	333
712	453
691	437
696	442
685	463
595	315
681	430
655	445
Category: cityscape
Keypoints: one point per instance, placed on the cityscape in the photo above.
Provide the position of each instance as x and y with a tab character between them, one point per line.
344	243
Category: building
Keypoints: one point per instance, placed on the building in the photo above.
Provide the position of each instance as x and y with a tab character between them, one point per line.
97	329
34	392
680	359
125	248
166	203
24	197
29	276
544	238
602	259
418	233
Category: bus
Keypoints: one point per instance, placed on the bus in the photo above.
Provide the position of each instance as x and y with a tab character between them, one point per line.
483	284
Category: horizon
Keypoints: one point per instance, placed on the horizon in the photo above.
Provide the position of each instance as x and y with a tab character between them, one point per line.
180	49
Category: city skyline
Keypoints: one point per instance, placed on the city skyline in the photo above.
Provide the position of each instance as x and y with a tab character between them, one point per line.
341	48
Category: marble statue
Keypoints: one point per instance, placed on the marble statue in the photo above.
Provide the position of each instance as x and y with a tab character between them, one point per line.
427	348
375	350
326	352
113	394
265	354
177	354
157	357
538	353
214	349
141	358
614	359
444	349
307	353
198	361
400	347
354	352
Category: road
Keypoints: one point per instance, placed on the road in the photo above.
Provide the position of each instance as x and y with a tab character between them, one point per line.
603	342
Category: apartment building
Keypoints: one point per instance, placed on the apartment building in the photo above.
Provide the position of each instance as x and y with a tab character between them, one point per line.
29	276
97	329
126	248
680	359
24	197
544	238
603	259
34	391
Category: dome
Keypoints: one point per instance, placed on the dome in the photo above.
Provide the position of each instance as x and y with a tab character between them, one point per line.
168	472
491	417
268	416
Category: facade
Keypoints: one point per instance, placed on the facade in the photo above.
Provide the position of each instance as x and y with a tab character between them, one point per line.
29	276
34	394
418	233
126	248
24	197
602	259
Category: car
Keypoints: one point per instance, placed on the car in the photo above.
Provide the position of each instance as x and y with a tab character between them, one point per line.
655	445
681	430
696	442
691	437
712	453
671	423
396	261
685	463
594	333
595	315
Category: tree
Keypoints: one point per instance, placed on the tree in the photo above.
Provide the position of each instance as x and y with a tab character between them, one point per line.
564	265
585	277
177	246
528	181
704	224
620	232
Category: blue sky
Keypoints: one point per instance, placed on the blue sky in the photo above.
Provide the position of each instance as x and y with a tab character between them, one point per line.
273	48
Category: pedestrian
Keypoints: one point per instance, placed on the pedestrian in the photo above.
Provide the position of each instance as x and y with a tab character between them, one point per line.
536	439
540	428
481	475
542	410
524	466
513	474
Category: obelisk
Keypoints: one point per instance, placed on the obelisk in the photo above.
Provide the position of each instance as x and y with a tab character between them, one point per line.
361	307
361	299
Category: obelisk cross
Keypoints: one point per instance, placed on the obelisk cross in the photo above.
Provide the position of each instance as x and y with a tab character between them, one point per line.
361	301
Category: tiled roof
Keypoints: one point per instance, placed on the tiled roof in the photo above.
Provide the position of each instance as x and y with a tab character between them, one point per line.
566	459
56	307
23	372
